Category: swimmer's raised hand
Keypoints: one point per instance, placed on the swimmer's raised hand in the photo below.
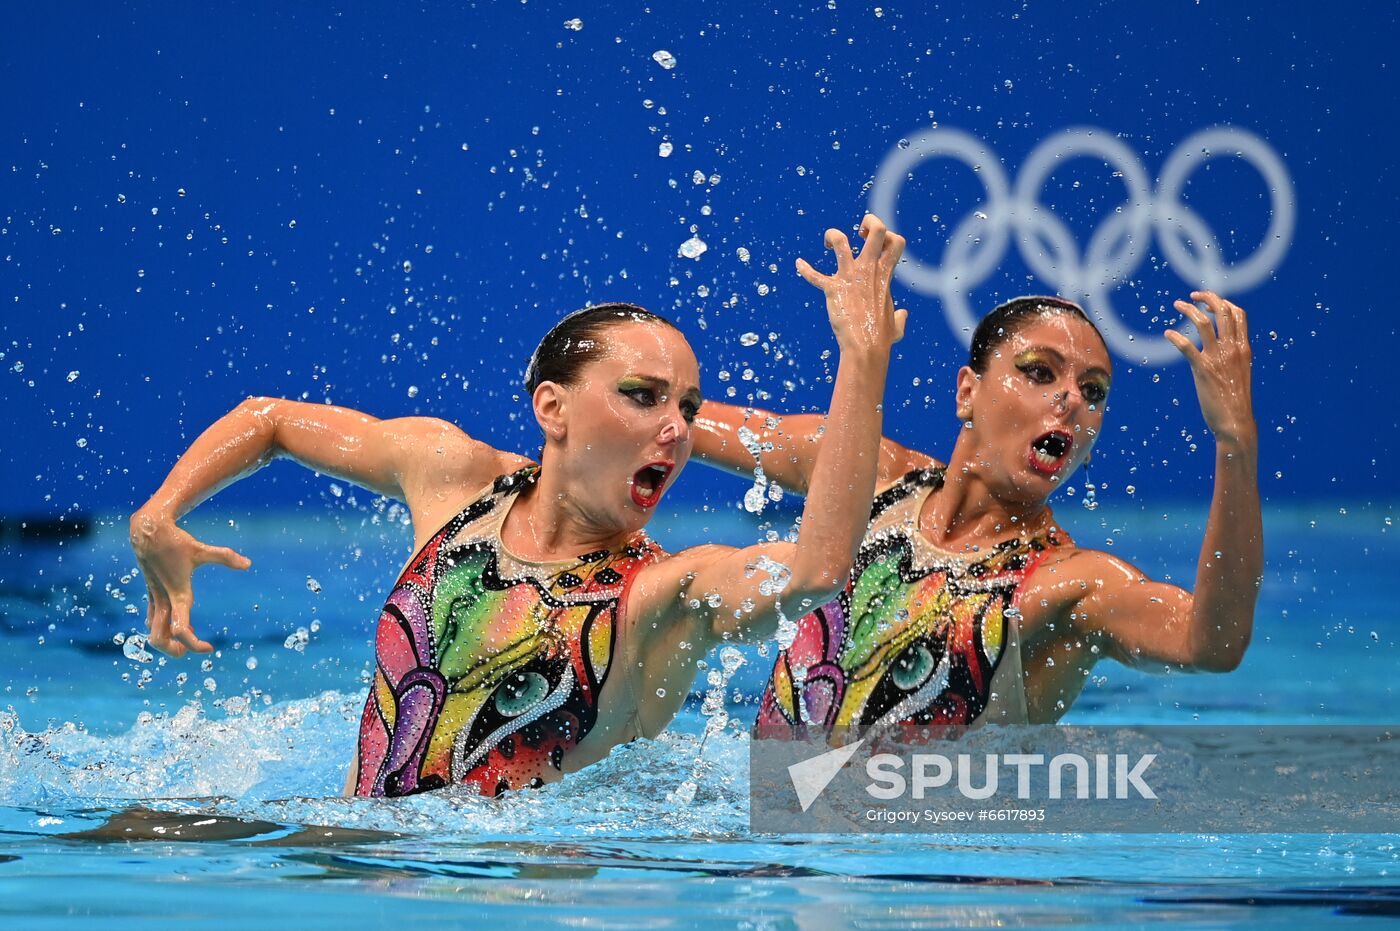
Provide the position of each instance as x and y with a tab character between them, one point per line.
168	557
1220	367
858	300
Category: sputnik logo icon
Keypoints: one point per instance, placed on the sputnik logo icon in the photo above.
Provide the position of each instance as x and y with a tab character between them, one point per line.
811	777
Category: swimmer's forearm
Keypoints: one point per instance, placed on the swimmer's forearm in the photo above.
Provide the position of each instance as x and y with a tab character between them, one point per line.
837	510
335	441
235	445
1231	565
787	449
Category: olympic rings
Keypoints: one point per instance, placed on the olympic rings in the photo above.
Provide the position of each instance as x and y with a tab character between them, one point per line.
1117	247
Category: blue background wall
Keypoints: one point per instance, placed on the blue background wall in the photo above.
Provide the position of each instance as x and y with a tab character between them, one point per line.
387	205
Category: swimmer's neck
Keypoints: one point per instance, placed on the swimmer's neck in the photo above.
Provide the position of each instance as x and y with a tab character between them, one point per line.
550	521
966	510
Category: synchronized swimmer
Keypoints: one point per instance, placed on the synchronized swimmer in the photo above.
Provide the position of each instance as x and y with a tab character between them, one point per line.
968	603
537	626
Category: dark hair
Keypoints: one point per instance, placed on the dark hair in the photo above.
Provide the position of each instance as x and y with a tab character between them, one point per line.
1006	320
575	340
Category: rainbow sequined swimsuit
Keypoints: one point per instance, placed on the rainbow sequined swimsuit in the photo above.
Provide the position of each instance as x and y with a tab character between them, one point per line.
919	636
488	669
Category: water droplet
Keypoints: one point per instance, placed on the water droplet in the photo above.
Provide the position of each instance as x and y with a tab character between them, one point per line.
407	266
665	149
692	248
135	649
664	58
660	693
313	586
754	500
748	339
82	442
743	254
413	391
574	25
252	662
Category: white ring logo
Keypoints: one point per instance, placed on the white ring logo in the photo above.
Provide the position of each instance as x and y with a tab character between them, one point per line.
1117	247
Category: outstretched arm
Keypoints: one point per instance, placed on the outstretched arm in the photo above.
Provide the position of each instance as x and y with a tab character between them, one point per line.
722	590
785	446
413	459
1147	622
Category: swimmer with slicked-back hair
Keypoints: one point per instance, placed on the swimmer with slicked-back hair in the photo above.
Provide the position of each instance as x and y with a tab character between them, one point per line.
536	626
967	603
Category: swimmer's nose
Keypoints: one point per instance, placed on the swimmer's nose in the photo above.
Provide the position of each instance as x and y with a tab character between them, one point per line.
675	430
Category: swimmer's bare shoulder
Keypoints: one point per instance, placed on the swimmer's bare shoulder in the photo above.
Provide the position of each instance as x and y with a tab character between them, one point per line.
441	467
1082	605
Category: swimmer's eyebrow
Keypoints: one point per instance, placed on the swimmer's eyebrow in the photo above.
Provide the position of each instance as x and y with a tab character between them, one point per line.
662	385
1055	354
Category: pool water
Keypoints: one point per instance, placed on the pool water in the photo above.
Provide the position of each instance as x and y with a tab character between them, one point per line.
160	793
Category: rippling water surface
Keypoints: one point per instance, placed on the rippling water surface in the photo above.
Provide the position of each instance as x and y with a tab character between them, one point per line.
135	795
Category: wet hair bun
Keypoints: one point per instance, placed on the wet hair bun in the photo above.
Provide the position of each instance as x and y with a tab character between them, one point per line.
573	341
1006	320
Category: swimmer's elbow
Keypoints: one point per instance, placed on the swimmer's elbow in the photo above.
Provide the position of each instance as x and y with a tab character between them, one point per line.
1219	656
264	415
1221	659
804	595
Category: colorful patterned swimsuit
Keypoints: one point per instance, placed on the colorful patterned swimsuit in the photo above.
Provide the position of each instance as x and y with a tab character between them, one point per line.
489	668
920	636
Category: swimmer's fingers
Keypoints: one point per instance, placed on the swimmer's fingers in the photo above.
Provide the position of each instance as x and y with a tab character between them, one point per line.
1241	323
814	277
1204	327
158	620
894	250
221	556
837	242
901	317
873	231
1234	329
1185	347
181	630
1224	318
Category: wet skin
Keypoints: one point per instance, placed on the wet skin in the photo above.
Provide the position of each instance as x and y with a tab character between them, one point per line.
631	408
1026	423
616	436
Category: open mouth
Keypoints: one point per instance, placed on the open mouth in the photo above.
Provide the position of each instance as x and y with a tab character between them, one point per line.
649	481
1049	451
